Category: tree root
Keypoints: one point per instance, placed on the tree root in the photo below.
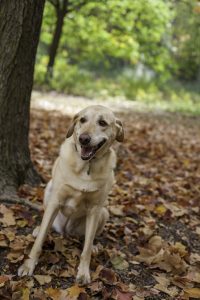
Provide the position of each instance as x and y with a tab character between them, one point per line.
17	200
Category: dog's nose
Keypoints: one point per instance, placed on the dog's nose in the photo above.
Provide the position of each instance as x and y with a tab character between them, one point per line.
84	139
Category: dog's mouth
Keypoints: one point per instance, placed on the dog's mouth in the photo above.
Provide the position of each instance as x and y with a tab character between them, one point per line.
87	152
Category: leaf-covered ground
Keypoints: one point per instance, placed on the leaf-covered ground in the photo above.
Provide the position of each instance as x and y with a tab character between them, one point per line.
150	248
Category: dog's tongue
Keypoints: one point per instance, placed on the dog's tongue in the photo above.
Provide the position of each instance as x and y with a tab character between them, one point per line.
86	152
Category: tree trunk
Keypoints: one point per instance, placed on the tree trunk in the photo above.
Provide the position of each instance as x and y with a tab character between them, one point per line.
60	14
20	23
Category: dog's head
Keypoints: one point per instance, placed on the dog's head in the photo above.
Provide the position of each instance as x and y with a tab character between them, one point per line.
94	129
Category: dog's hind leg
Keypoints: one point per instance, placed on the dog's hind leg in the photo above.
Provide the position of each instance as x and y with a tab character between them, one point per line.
59	223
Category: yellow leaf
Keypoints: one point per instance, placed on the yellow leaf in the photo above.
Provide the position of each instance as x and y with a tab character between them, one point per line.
25	294
22	223
160	210
42	279
56	294
8	218
186	162
75	291
193	293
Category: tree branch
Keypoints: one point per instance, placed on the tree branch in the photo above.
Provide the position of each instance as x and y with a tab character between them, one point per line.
55	3
77	7
17	200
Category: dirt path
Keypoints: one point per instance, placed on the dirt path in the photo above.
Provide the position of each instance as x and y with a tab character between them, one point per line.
70	105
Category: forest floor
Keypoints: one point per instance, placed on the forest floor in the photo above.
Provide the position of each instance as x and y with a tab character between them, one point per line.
150	248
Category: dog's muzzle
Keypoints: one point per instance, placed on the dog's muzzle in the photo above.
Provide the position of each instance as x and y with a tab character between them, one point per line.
88	151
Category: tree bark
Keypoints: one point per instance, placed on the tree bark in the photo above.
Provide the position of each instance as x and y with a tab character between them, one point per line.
61	11
20	23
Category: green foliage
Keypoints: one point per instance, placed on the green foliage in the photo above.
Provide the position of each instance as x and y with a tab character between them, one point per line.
186	41
112	32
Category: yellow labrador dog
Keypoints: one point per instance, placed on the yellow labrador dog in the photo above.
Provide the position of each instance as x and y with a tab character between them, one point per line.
76	197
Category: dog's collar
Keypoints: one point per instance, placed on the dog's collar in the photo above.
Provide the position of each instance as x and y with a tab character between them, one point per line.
89	166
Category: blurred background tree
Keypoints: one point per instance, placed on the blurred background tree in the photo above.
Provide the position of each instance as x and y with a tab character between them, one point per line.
128	48
186	39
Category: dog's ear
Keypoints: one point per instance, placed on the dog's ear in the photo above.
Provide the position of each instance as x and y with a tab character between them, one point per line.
71	127
120	131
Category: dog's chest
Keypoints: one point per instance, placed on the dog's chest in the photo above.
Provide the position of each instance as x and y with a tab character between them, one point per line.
77	205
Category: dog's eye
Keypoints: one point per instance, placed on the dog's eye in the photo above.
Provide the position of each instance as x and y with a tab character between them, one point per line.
83	120
102	123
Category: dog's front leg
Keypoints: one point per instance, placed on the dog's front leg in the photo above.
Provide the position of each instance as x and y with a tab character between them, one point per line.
29	264
92	219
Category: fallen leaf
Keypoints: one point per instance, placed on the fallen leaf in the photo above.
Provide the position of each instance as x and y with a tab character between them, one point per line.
42	279
8	218
118	295
117	210
119	262
68	273
15	256
193	276
25	294
57	294
3	279
192	293
171	291
75	291
194	258
3	241
162	279
108	276
181	282
198	230
22	223
162	255
160	210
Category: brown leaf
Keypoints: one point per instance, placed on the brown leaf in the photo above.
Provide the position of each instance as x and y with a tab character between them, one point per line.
3	279
193	276
164	256
108	276
118	295
69	272
8	218
192	293
75	291
119	262
171	291
116	210
3	241
96	286
57	294
15	256
42	279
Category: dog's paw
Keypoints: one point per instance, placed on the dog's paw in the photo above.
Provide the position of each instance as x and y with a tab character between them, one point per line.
83	278
27	268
